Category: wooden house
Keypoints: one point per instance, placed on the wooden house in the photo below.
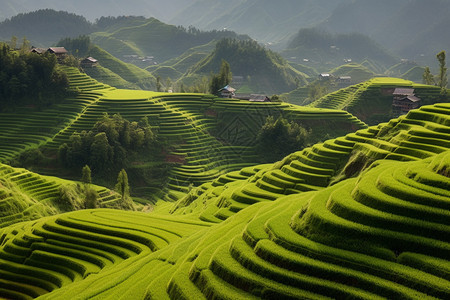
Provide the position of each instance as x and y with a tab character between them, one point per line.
38	50
259	98
227	92
89	62
325	76
60	52
404	100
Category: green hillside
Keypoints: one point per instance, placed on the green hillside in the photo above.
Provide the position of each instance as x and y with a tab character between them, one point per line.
381	234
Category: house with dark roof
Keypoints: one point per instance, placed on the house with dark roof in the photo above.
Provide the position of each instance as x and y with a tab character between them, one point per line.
60	52
38	50
404	100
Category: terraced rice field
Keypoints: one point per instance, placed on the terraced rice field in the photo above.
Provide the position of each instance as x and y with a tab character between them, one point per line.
39	257
25	195
365	215
421	134
184	120
383	235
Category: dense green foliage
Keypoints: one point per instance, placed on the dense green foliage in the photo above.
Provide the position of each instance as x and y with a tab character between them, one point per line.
29	79
278	138
108	145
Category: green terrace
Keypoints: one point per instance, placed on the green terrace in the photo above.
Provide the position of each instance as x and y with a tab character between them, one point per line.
384	234
420	134
39	257
208	134
25	195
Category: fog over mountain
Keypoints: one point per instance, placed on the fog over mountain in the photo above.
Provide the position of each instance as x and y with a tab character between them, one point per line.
163	10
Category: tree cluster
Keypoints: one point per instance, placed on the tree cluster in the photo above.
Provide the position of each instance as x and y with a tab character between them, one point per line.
221	79
28	78
78	46
107	147
442	80
278	138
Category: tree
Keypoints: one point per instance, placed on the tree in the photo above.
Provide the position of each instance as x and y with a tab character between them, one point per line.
90	200
86	175
122	186
278	138
158	84
442	72
221	79
428	78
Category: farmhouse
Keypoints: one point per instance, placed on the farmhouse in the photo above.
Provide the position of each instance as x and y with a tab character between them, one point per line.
404	100
60	52
325	76
259	98
227	92
89	62
38	50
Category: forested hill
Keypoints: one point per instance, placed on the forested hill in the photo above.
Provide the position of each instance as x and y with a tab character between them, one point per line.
27	78
92	10
44	27
263	70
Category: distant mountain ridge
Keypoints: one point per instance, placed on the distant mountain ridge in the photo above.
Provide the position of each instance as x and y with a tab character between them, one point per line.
92	10
264	20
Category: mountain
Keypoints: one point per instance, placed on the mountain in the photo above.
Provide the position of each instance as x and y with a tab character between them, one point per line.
414	29
261	69
264	20
92	10
157	39
324	50
44	27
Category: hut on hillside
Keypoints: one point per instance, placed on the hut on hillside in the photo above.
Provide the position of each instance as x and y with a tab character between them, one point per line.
404	100
60	52
227	92
259	98
38	50
89	62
